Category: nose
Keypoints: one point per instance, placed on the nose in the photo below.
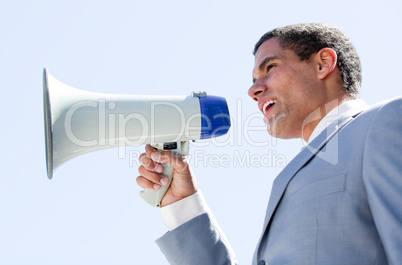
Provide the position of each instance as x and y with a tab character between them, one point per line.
256	91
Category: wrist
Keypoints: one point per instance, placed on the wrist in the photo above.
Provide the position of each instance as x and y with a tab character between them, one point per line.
184	210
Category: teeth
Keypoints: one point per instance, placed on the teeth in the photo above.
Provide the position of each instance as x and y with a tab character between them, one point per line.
270	102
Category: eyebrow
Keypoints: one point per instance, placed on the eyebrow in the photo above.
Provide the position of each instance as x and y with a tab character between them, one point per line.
264	64
266	61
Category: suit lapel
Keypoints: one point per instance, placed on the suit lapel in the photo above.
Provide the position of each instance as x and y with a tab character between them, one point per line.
282	180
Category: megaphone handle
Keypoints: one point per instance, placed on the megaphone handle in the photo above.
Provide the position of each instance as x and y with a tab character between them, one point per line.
154	197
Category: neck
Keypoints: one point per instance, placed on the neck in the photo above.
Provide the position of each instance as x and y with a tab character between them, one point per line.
314	118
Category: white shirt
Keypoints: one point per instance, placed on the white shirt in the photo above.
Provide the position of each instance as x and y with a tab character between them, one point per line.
176	214
334	114
188	208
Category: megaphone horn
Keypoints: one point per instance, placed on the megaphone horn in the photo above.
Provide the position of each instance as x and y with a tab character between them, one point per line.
79	122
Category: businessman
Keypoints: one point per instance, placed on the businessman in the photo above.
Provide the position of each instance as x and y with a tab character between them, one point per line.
339	201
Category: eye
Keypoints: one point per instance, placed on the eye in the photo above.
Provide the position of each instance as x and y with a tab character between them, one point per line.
269	67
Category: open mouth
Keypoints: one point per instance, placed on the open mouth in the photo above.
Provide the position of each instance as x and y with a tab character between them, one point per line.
268	105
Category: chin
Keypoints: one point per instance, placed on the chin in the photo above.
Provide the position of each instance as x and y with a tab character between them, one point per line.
274	133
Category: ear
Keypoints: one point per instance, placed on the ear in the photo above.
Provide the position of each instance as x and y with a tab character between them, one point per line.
327	61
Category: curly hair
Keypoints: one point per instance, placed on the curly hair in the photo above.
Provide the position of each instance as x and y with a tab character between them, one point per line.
307	39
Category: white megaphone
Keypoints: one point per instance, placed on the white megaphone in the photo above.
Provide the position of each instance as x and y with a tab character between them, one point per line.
79	122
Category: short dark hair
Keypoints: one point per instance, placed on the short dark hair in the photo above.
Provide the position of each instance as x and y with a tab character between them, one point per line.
306	39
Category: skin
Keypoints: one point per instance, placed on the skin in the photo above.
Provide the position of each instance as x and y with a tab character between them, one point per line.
302	89
305	91
183	183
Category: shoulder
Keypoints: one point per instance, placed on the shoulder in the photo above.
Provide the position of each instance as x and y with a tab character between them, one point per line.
385	124
383	112
390	106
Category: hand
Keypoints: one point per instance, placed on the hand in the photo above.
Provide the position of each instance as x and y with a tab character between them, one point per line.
183	182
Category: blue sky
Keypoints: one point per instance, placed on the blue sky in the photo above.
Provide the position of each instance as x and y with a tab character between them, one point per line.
91	213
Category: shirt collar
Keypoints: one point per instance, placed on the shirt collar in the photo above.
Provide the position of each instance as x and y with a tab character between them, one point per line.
334	114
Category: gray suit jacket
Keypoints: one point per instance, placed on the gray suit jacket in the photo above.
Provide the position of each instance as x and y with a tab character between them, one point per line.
339	201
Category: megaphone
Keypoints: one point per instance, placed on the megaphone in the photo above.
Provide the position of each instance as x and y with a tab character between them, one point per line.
78	122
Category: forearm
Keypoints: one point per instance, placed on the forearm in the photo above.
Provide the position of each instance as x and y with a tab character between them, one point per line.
194	236
197	242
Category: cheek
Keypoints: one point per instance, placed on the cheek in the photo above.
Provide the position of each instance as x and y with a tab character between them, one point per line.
294	106
293	90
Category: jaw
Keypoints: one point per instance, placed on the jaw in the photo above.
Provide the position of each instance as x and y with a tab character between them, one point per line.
283	128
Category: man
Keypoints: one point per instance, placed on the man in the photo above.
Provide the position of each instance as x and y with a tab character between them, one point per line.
339	200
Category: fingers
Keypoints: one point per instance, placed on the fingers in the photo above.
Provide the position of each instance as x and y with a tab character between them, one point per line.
166	157
183	183
149	164
151	169
151	177
151	180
